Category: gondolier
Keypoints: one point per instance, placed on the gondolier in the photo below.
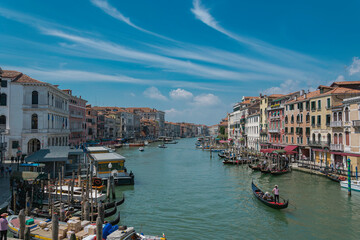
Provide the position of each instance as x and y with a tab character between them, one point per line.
276	193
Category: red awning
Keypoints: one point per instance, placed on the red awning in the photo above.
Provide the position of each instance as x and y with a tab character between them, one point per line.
337	153
269	150
350	154
291	152
290	148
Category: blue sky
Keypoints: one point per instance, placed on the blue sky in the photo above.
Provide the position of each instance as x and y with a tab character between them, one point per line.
191	58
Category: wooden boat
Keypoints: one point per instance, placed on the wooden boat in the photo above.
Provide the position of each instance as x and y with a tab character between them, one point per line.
222	155
116	220
233	162
171	142
66	191
255	167
336	178
259	195
265	170
115	203
280	172
355	185
136	144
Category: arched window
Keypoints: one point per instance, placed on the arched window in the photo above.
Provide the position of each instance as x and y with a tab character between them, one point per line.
307	117
319	137
286	119
298	118
329	139
347	113
292	118
301	118
2	122
335	139
340	117
340	138
335	117
313	137
34	121
347	138
35	97
3	99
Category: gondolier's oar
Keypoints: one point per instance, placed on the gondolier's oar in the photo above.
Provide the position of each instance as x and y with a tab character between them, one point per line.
288	202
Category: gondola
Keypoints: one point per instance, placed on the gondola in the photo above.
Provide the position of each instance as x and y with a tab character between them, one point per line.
116	220
335	178
232	162
262	170
110	213
255	168
280	172
259	194
222	155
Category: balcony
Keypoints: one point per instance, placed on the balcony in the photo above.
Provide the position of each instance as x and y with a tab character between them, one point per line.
273	118
275	130
264	131
336	124
337	147
319	144
356	123
50	130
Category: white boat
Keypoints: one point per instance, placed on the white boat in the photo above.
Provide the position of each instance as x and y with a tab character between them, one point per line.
355	185
162	146
66	190
146	143
141	149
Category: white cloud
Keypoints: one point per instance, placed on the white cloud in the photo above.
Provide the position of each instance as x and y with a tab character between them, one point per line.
132	94
206	100
286	87
354	67
180	94
154	93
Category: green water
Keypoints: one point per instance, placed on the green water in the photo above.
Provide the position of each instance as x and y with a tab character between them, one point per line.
184	193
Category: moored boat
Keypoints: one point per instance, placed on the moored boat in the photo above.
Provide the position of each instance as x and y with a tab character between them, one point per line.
355	185
141	149
336	178
255	167
259	195
280	172
162	146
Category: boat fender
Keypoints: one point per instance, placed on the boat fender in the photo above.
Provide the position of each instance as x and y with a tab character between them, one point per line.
97	182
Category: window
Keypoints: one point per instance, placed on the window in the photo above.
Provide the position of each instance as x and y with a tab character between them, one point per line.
340	138
313	120
307	117
292	130
340	117
292	139
313	137
328	103
347	117
307	131
286	119
313	106
3	99
287	139
328	138
335	116
335	139
328	117
319	120
3	120
292	118
286	130
291	106
307	105
347	138
35	97
319	137
319	104
34	121
298	118
15	144
3	83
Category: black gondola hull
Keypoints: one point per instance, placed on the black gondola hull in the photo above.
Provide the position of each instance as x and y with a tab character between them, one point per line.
256	192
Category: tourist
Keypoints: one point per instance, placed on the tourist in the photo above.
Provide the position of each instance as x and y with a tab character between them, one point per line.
3	226
10	170
276	193
267	196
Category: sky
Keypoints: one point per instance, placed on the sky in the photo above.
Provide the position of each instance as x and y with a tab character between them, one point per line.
192	59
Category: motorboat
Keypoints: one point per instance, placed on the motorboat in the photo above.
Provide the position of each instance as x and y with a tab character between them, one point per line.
65	191
141	149
162	146
355	185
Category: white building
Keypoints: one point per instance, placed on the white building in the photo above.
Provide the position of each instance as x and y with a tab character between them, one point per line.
34	114
252	130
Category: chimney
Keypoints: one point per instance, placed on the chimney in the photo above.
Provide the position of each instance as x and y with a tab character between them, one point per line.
305	95
302	92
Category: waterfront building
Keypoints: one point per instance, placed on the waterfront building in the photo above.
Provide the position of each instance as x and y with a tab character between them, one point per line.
265	102
33	114
324	106
151	114
77	119
92	124
172	129
345	124
149	129
109	128
213	130
297	124
276	119
253	131
237	121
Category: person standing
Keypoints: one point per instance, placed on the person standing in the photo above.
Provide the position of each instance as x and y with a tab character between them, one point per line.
276	193
3	226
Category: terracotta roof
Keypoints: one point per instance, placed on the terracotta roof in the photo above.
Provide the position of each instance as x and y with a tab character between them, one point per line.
141	109
109	109
345	83
275	95
341	90
19	77
302	98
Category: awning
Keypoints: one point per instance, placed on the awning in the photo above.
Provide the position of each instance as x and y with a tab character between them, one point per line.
337	153
290	148
350	154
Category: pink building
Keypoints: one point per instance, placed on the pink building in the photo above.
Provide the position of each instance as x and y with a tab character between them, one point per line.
91	123
77	119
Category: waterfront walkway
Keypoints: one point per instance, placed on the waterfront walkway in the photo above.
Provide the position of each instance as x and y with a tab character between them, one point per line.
5	186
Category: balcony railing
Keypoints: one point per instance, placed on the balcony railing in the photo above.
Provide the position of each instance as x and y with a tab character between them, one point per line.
337	147
275	130
319	143
356	123
336	124
274	117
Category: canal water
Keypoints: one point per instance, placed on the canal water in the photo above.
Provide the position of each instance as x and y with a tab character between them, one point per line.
182	192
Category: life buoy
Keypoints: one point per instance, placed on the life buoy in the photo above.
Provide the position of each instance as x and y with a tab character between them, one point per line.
97	182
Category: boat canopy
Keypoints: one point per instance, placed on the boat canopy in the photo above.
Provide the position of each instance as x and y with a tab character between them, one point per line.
107	157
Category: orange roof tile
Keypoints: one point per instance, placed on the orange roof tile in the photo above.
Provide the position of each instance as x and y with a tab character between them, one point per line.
308	95
345	83
19	77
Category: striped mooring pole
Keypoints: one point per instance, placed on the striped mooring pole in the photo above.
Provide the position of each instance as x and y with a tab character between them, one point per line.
356	171
349	177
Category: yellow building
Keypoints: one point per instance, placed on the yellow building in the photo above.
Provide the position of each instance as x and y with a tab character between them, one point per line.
321	110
